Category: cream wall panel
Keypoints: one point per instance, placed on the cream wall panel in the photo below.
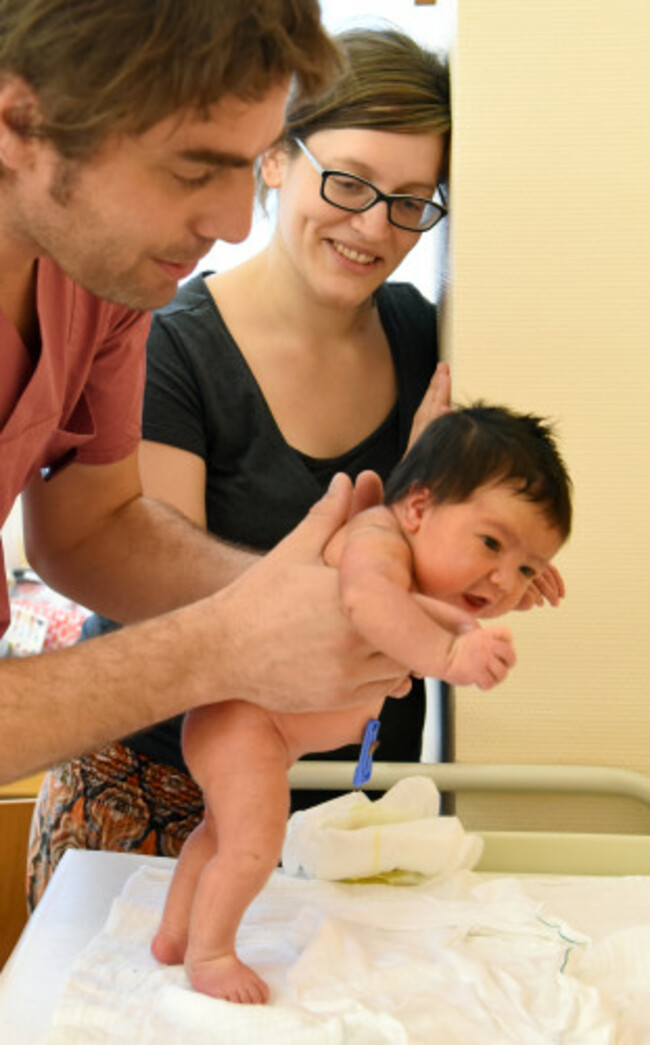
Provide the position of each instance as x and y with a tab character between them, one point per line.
549	312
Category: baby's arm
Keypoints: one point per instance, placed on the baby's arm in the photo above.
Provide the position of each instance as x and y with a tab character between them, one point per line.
429	637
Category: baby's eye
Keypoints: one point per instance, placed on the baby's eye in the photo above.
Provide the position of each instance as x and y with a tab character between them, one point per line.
528	572
491	543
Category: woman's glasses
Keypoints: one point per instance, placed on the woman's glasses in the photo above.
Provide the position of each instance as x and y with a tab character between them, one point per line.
352	193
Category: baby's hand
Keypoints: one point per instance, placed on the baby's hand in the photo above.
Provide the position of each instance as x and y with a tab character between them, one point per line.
482	658
547	587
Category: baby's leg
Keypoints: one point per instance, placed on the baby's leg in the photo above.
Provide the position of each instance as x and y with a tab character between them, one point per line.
170	942
246	788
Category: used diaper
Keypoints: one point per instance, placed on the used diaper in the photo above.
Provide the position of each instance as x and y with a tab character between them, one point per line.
400	837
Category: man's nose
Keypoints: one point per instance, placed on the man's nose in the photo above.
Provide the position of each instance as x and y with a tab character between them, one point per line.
229	214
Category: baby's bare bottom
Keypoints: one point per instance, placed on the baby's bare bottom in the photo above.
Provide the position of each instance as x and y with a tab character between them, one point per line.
239	754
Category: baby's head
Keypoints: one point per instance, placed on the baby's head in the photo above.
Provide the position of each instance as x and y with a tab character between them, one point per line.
484	499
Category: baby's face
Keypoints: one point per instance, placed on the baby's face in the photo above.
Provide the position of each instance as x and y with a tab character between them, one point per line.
482	554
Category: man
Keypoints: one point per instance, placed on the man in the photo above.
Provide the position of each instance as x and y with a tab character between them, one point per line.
128	134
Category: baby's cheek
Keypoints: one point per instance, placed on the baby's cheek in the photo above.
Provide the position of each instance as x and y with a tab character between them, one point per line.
504	606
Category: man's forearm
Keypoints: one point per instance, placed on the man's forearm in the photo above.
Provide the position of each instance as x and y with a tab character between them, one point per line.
274	637
146	560
60	704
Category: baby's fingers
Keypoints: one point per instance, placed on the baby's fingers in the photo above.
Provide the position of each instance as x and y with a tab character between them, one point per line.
550	585
504	651
502	659
547	587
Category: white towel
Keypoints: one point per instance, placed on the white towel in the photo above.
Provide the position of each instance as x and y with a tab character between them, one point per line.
117	994
401	834
448	961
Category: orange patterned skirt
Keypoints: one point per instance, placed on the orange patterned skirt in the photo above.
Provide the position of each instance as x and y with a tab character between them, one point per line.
117	800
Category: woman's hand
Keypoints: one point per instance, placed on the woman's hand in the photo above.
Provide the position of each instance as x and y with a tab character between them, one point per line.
435	402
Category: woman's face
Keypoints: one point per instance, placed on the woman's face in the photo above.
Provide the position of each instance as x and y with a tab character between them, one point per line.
345	256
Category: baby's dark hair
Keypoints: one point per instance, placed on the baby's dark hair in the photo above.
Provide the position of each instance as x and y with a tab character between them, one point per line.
479	445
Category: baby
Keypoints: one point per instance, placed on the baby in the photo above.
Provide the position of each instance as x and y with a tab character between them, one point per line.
471	519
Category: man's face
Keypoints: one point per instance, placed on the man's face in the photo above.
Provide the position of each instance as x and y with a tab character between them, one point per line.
136	218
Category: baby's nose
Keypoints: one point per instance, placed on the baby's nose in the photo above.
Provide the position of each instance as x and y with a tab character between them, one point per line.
504	578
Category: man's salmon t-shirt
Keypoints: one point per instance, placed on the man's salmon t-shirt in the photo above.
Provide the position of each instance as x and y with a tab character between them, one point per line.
80	399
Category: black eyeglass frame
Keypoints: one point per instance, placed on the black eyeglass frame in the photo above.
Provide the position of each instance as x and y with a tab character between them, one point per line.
386	197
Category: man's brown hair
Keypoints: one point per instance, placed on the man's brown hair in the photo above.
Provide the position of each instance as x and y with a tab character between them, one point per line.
100	67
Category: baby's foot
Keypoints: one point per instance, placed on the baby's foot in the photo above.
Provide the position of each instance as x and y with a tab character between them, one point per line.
167	948
228	978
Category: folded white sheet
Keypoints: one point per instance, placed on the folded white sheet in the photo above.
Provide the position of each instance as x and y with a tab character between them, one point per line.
353	837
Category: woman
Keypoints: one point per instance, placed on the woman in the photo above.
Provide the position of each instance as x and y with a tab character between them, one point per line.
265	380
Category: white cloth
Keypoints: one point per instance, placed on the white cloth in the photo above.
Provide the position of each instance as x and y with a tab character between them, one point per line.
457	960
353	837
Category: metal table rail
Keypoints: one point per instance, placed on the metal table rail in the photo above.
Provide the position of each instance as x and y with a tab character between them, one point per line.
518	852
458	776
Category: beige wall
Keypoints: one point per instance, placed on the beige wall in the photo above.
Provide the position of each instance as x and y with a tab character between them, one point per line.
551	283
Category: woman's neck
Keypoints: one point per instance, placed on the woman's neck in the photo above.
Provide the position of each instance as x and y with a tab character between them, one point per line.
285	302
325	370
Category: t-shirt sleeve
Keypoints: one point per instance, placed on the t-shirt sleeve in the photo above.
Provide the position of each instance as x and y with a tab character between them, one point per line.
173	411
114	388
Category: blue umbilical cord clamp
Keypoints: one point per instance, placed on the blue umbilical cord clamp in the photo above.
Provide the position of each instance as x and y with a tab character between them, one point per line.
363	771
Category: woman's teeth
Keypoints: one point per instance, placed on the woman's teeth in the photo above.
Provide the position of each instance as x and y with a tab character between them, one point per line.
353	255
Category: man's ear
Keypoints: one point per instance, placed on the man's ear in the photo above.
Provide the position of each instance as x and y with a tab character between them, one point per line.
273	165
413	507
19	117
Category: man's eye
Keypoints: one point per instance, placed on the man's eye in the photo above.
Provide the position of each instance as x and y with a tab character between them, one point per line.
491	543
194	181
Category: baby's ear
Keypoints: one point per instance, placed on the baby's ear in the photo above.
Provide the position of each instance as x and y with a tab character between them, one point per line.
413	507
273	164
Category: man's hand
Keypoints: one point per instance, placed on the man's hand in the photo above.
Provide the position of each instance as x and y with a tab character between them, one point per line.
287	643
366	493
